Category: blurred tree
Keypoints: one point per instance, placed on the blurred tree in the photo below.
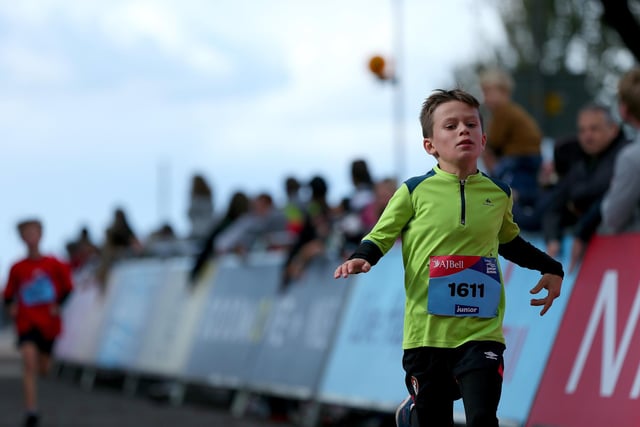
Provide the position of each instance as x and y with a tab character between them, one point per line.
573	36
563	53
619	16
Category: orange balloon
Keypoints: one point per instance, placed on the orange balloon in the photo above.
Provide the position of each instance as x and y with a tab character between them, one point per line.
377	65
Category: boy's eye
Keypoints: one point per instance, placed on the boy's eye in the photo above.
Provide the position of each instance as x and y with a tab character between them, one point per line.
472	124
450	126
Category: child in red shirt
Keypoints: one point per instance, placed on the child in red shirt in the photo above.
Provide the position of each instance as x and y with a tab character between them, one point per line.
36	287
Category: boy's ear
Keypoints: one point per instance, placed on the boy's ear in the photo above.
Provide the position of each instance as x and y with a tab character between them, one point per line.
428	147
484	141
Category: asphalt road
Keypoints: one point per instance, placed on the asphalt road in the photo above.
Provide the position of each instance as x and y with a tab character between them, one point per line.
64	401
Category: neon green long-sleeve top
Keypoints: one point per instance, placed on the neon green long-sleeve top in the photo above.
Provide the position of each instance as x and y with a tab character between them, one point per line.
439	214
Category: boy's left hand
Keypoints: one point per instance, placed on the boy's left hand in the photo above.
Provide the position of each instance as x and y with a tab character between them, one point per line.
552	283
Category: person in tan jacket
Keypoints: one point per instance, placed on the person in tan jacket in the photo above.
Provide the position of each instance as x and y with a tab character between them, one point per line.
513	138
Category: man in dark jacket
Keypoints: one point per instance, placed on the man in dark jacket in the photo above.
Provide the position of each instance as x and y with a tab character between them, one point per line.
576	200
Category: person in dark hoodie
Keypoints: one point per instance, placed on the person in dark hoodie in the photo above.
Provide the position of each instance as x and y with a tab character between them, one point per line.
576	200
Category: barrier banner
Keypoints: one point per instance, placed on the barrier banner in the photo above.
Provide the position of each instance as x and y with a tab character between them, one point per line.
133	287
299	333
365	365
82	316
231	323
592	377
173	318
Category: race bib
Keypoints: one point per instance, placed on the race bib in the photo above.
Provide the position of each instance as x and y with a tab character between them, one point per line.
39	291
464	286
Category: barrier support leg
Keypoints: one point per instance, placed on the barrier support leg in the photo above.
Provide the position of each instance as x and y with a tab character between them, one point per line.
312	415
130	385
57	369
240	403
88	378
176	393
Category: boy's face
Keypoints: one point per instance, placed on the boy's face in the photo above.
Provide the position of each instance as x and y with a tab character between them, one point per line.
31	234
457	139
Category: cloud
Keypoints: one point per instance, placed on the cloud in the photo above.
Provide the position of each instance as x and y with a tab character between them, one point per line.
24	65
137	23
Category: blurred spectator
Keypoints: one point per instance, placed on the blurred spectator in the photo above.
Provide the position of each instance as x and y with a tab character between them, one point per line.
162	242
362	186
293	207
239	205
621	204
513	138
82	250
348	215
566	152
120	235
200	207
576	200
265	225
384	189
120	240
315	235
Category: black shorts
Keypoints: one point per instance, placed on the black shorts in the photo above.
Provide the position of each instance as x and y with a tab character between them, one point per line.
34	336
441	367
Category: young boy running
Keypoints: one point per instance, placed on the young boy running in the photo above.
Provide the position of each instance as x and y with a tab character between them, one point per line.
36	287
453	221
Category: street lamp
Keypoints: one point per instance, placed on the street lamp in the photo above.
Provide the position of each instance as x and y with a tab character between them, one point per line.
379	66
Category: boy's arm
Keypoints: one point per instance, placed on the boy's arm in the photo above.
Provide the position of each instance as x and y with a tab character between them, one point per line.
367	251
526	255
10	288
10	291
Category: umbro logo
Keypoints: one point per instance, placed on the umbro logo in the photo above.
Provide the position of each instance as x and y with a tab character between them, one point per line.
490	355
488	202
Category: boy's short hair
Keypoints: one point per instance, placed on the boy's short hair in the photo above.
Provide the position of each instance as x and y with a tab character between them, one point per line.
629	91
497	77
439	97
27	223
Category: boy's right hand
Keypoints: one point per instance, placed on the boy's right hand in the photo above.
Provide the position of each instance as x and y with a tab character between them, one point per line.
351	266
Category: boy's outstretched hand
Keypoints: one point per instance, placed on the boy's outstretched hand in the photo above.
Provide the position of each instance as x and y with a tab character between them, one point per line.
351	266
552	283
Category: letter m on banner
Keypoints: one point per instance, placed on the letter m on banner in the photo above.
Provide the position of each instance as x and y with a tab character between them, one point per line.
613	356
592	376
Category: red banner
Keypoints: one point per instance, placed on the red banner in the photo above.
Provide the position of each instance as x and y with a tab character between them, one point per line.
593	373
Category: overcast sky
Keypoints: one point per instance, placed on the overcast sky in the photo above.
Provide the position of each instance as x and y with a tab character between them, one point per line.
117	103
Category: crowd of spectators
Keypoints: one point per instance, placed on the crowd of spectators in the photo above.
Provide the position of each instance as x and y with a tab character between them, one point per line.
563	196
566	195
304	226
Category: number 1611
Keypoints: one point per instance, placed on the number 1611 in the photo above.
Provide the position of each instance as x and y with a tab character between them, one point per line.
464	290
